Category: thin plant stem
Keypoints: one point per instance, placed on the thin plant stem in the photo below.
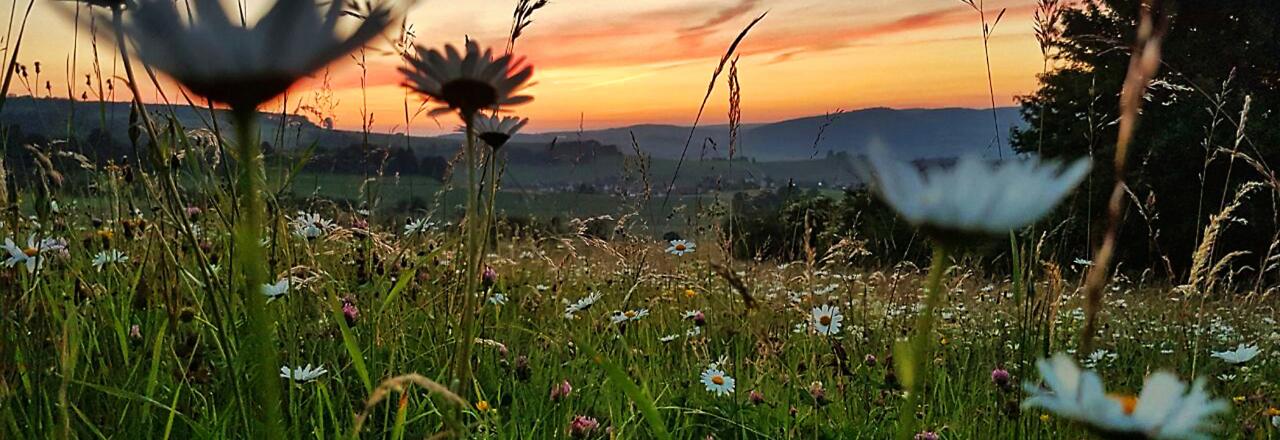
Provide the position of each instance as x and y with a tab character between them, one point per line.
922	343
251	261
462	359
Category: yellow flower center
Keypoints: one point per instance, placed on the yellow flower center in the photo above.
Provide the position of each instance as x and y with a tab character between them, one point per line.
825	319
482	405
718	380
1273	412
630	314
1127	402
690	293
30	252
680	247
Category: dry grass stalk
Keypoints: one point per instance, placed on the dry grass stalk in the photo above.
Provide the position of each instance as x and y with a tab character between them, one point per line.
399	383
1202	275
1144	63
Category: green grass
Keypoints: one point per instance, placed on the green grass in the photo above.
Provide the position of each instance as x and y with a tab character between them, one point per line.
175	380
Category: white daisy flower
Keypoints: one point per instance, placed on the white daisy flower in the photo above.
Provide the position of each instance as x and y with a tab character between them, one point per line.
629	315
112	256
1243	353
217	57
582	304
693	332
1165	409
668	338
498	299
973	196
681	247
304	374
467	82
826	320
277	290
31	256
495	130
418	226
310	226
717	382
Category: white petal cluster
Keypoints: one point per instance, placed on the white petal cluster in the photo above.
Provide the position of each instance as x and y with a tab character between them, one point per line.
974	195
1165	409
217	57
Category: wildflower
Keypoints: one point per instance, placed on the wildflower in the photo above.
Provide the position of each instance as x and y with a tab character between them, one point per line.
681	247
489	276
483	406
716	381
582	304
582	426
310	226
870	360
690	293
245	66
302	375
112	256
31	255
561	391
415	227
1001	378
1165	409
818	393
668	338
496	131
522	370
350	312
277	290
193	211
467	82
629	315
498	299
135	332
926	435
827	319
973	197
755	397
1243	353
693	332
698	318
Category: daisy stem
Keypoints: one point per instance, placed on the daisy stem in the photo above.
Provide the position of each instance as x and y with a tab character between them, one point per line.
922	344
252	263
462	355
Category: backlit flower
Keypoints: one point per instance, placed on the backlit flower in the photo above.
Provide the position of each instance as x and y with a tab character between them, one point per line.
495	130
218	58
467	82
973	196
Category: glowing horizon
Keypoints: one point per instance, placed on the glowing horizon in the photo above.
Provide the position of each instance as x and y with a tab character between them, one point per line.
613	64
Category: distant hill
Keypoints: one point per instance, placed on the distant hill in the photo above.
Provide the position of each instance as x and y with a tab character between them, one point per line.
908	133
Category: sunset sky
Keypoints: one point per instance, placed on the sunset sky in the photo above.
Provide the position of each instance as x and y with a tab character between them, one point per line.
605	63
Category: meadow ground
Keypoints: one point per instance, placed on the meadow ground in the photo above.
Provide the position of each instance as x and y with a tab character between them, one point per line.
140	347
